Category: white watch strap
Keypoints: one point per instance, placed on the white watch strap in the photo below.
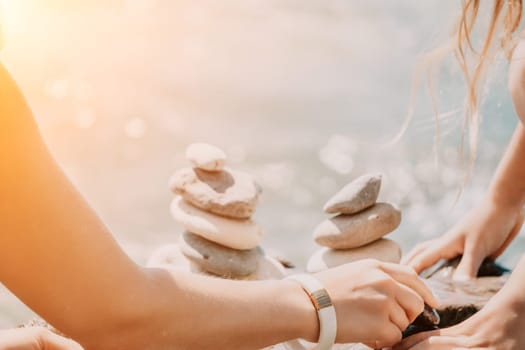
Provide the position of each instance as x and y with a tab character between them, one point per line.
324	307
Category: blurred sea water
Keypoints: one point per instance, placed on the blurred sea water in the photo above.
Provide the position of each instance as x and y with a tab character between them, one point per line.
303	94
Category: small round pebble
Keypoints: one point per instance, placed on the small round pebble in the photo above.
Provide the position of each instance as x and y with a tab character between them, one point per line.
206	157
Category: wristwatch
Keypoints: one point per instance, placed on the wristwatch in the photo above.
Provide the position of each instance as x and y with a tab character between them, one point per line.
323	305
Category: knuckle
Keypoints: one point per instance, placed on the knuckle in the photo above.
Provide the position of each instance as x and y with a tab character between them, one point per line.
405	323
408	270
418	308
411	272
389	283
385	306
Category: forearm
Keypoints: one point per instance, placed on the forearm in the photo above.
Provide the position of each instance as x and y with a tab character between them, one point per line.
58	257
512	293
508	185
196	312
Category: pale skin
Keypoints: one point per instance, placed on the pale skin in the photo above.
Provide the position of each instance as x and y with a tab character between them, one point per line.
485	232
58	257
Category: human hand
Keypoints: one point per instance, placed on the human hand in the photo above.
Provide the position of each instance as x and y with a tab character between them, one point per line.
499	325
375	301
34	338
484	232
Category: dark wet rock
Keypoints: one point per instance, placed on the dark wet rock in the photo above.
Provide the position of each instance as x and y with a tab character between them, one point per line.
459	300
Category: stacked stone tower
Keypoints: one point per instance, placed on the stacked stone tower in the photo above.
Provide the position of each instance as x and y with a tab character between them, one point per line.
356	231
214	204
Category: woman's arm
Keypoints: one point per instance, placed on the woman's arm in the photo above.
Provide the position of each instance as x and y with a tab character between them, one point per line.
489	227
58	258
492	225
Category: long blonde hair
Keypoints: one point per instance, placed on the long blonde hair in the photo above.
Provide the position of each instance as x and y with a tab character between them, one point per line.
504	22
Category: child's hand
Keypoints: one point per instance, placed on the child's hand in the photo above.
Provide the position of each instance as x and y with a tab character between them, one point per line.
375	301
34	338
485	232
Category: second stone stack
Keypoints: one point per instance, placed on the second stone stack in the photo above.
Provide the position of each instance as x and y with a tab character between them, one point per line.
357	231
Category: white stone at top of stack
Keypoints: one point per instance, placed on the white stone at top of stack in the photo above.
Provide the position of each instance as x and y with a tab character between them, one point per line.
206	157
356	232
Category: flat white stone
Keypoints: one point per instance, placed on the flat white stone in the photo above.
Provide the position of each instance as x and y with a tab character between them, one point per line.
383	250
236	234
205	156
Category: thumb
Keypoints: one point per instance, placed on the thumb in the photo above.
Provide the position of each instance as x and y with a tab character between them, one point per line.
469	265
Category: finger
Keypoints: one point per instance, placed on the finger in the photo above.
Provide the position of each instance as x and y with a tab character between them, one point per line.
409	342
469	265
411	303
53	341
398	316
407	276
414	252
444	343
431	256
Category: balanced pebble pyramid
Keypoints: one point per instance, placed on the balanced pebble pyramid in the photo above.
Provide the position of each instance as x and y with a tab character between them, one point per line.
214	204
357	231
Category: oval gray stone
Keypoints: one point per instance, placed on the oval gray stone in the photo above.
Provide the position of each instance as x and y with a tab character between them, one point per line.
358	195
383	249
356	230
229	193
218	259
